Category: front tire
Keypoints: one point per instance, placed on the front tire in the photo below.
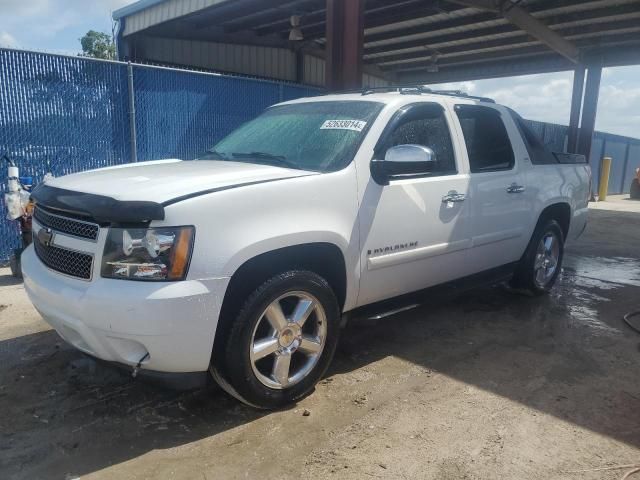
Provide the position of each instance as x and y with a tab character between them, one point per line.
540	266
281	341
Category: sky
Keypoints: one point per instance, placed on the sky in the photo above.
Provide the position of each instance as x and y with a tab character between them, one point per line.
57	25
547	97
53	25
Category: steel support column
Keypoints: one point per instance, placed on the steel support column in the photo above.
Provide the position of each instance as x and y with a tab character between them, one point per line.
589	109
576	108
345	37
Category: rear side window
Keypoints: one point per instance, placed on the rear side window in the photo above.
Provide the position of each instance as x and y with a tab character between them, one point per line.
426	125
538	152
486	138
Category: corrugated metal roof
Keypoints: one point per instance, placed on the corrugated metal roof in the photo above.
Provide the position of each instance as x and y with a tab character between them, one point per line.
134	8
424	36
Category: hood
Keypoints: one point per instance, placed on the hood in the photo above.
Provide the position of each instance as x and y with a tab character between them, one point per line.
167	181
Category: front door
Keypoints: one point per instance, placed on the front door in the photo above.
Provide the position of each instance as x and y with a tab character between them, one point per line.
414	232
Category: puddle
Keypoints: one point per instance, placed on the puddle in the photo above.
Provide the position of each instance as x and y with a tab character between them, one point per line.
588	316
583	305
603	272
585	281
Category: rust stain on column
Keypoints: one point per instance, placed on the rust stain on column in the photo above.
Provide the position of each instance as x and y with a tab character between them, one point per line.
345	36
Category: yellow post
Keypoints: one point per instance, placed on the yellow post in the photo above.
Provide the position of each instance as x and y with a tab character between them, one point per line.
605	168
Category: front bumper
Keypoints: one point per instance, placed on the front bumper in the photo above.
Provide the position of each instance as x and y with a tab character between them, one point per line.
121	321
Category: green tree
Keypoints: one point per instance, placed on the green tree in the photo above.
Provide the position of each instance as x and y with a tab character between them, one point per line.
98	45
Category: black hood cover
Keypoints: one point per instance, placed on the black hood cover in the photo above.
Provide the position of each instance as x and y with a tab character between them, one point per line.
98	208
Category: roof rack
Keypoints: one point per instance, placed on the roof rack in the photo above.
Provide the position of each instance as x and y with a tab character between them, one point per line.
419	89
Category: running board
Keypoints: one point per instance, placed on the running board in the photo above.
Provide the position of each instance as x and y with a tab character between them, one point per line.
439	293
393	312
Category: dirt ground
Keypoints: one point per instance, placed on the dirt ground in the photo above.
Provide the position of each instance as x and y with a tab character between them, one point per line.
489	385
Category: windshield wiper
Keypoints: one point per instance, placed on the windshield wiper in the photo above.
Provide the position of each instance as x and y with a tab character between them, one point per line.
279	159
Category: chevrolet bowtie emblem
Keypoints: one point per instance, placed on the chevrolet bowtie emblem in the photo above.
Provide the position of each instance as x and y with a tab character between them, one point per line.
45	236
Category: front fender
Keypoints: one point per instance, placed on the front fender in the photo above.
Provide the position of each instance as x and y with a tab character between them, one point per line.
236	225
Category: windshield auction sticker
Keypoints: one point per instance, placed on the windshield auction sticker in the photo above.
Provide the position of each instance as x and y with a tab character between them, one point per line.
356	125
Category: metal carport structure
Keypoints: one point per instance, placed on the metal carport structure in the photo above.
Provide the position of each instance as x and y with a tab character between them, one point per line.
337	43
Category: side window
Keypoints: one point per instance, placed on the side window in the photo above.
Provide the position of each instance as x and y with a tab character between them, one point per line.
426	125
538	152
486	138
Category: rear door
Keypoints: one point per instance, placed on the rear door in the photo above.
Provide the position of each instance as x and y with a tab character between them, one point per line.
498	196
409	237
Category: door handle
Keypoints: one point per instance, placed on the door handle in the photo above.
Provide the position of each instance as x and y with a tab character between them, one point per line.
515	188
454	196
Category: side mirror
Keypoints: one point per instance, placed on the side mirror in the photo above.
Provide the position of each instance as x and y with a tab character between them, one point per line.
403	161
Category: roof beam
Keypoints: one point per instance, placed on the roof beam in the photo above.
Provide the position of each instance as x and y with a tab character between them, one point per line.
431	27
623	55
540	9
313	17
378	12
568	30
520	17
228	11
589	19
394	13
279	14
496	69
185	31
440	32
477	59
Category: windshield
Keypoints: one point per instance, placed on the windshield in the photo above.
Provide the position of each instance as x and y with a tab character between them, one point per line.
318	136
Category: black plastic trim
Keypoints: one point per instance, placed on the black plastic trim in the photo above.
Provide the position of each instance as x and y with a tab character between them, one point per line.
180	381
569	158
438	293
101	209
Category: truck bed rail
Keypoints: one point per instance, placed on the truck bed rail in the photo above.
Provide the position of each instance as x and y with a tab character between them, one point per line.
569	158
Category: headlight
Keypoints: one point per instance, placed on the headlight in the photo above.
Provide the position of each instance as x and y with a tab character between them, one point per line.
161	253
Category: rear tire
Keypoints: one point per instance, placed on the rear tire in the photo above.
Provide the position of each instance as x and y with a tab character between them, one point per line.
634	192
540	265
281	341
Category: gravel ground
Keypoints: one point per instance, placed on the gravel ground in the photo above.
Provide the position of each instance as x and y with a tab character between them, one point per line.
489	385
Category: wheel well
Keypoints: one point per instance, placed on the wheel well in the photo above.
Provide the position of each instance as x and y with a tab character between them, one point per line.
560	212
325	259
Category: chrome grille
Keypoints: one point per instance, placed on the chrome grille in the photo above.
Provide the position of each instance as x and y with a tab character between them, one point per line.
70	226
74	264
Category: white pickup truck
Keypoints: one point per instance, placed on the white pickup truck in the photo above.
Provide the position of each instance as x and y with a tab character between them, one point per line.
244	262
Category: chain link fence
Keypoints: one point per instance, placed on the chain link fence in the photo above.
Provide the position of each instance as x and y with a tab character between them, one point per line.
63	114
181	114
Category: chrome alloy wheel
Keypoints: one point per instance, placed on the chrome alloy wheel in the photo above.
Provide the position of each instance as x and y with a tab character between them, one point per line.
288	340
547	258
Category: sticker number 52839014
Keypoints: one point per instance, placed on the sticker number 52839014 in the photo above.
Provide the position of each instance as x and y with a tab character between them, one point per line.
356	125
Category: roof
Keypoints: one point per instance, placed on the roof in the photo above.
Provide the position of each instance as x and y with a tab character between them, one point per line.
416	40
134	7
